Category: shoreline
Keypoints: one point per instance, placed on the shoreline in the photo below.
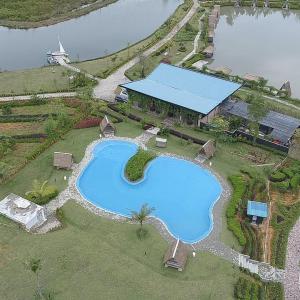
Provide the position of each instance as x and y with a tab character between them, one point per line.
75	13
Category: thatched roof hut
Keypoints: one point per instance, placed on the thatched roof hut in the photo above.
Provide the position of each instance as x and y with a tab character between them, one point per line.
63	160
209	51
176	255
208	149
106	127
287	87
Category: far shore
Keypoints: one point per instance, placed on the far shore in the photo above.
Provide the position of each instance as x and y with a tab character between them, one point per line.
58	19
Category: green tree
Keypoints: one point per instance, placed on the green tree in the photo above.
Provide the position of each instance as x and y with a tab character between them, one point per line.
219	125
51	128
257	110
38	191
142	215
4	168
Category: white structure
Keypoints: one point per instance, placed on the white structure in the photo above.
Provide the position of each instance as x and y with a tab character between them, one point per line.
22	211
57	57
161	143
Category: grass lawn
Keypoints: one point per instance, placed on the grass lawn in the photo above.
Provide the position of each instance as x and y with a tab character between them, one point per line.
177	146
46	79
41	168
93	256
128	128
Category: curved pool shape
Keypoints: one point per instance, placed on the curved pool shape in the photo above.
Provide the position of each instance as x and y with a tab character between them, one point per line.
182	193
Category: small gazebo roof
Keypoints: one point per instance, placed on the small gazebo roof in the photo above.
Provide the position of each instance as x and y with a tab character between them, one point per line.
63	160
208	149
176	255
258	209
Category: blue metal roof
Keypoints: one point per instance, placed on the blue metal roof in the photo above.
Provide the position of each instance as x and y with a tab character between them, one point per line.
258	209
186	88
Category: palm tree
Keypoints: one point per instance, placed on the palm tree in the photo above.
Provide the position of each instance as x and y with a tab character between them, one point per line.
142	215
38	190
35	266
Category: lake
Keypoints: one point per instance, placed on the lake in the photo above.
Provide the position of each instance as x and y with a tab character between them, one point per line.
99	33
263	42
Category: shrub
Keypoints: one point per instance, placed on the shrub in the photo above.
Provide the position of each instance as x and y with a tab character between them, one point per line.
295	182
233	224
288	172
135	167
6	109
283	186
277	176
87	123
42	196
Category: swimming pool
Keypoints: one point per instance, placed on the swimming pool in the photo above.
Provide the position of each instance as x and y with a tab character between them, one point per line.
182	193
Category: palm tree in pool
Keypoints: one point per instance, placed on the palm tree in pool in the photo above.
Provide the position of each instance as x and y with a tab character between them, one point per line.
142	215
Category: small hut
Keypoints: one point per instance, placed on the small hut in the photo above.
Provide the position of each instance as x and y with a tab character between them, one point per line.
63	160
160	142
106	127
257	210
22	211
208	149
287	87
176	256
209	51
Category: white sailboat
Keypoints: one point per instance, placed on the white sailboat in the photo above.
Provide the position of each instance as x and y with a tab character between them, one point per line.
59	56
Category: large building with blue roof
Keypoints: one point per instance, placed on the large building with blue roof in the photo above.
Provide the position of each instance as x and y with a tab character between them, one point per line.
182	92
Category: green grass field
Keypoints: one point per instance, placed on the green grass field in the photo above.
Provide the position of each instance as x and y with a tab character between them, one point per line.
41	168
46	79
96	258
35	13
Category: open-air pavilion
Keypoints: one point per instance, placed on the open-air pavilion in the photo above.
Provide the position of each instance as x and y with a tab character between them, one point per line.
181	93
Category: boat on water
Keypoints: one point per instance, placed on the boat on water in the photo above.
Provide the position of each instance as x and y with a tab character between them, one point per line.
59	56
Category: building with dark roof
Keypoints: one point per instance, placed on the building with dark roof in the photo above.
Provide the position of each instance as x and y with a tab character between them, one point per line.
278	127
176	255
182	89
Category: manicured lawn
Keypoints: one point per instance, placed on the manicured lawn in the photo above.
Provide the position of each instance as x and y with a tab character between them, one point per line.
47	79
128	128
177	146
96	258
41	168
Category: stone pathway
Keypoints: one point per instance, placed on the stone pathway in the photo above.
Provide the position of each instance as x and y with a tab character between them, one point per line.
292	279
196	44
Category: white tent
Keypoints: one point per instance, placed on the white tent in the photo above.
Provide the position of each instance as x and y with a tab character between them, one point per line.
22	211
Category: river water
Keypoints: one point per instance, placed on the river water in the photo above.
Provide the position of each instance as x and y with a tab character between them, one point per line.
263	42
101	32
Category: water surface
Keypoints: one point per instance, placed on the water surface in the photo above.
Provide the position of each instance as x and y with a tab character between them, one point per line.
263	42
182	193
101	32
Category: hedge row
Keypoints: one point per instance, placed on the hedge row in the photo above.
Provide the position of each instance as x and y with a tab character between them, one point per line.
233	223
135	167
25	118
288	217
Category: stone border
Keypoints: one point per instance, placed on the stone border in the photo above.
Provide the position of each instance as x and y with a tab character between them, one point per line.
72	192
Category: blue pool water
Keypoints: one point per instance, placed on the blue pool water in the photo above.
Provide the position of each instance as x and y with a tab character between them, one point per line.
182	193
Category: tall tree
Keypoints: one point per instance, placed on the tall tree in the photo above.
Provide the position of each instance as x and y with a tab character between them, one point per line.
142	215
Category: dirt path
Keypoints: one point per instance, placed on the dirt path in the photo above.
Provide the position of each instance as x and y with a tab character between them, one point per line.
106	87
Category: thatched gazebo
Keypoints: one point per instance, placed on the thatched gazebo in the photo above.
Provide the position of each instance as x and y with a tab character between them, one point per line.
106	127
176	255
208	149
63	160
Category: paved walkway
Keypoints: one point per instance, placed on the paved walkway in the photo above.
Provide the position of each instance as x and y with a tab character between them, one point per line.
196	43
106	87
43	96
292	279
